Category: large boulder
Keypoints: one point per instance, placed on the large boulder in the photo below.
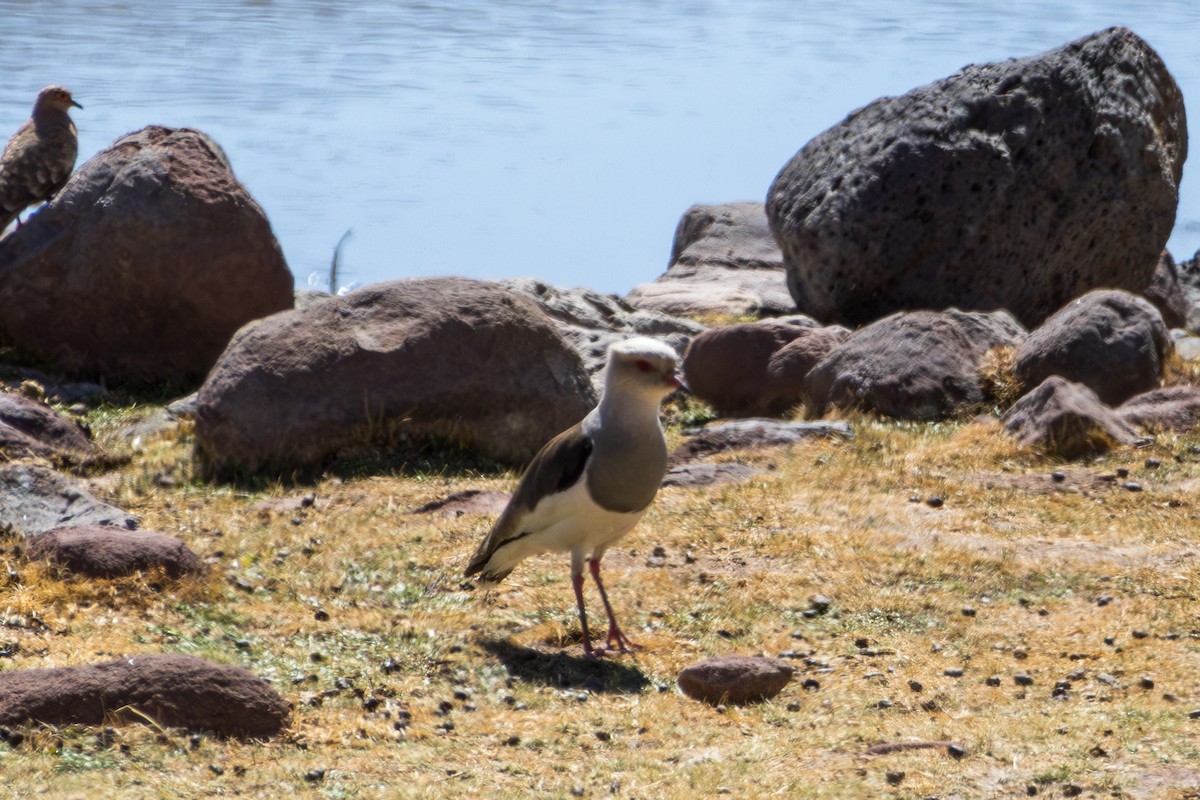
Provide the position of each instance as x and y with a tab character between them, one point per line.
144	265
175	691
457	360
29	427
1017	185
756	368
912	365
723	261
1067	420
1111	341
591	321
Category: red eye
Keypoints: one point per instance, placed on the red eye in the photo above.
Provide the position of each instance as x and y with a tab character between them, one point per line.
644	365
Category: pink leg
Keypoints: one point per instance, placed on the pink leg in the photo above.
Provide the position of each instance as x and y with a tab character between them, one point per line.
577	582
614	631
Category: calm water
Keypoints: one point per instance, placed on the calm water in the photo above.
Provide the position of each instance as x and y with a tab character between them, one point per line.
560	140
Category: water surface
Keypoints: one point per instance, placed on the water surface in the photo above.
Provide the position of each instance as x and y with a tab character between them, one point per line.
560	140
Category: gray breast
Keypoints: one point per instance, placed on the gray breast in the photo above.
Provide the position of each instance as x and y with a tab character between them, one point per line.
627	469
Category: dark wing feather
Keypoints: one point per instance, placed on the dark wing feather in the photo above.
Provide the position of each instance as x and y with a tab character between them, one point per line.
556	467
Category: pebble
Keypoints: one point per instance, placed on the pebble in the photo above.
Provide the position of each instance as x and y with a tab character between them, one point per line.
967	611
1023	679
1133	486
1191	715
819	603
1058	476
314	775
793	707
1122	472
1076	675
1139	634
953	672
321	615
811	684
935	502
1106	679
1146	682
993	680
956	750
916	686
512	741
1104	599
895	778
1153	463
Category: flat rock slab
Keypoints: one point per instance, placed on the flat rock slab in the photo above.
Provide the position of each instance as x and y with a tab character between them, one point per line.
102	551
470	501
754	433
697	474
35	499
172	690
735	680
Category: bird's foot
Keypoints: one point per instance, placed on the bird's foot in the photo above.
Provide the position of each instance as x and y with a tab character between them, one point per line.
619	641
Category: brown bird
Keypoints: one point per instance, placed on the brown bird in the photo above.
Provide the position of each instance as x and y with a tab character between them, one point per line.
590	485
38	159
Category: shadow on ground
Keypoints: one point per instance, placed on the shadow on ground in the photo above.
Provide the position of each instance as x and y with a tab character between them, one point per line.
566	672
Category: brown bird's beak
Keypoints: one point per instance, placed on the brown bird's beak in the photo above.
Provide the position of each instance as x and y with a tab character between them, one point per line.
77	105
676	379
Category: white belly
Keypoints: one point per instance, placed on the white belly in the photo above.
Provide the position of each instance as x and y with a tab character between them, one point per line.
567	521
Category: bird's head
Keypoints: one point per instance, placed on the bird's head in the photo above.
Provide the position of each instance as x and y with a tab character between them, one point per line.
644	365
55	97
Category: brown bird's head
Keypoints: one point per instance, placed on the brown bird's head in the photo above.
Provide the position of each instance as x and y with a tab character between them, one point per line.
54	97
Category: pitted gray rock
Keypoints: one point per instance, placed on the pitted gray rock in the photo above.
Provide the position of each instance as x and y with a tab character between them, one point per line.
1016	185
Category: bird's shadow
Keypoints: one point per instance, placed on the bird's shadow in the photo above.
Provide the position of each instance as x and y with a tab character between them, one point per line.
560	670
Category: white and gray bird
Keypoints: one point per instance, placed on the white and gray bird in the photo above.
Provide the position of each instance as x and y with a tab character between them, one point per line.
588	486
38	159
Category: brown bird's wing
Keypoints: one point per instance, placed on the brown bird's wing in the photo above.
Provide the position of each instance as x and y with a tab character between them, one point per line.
556	467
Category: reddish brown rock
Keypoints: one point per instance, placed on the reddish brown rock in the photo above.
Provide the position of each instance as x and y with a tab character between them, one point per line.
723	261
144	265
1017	185
1111	341
31	428
174	691
735	680
912	365
755	369
1066	419
104	551
396	364
1175	408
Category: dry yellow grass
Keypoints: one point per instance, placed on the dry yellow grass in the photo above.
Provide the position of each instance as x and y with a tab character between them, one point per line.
1081	575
